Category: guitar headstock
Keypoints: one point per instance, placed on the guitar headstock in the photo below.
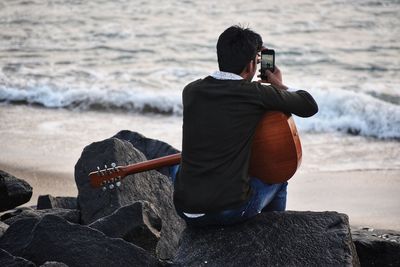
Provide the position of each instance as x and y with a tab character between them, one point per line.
108	178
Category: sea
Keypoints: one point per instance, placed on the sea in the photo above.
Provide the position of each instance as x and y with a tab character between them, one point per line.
134	58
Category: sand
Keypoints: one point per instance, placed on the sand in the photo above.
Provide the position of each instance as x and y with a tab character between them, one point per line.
42	146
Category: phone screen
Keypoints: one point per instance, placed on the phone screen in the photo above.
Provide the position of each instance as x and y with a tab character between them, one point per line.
267	61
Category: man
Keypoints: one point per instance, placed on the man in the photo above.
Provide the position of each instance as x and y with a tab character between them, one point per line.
220	116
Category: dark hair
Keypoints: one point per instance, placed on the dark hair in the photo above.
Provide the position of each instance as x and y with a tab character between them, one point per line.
236	47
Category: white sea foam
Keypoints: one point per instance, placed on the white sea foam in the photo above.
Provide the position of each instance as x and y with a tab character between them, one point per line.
339	110
134	100
353	112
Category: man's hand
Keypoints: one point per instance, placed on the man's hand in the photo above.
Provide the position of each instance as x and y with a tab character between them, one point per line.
274	78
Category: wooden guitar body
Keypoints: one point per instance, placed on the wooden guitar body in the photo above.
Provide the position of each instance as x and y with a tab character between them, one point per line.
276	151
275	156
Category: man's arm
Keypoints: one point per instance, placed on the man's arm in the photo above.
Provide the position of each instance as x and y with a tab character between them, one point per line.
278	97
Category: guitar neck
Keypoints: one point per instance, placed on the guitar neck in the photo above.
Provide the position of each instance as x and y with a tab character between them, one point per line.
109	176
152	164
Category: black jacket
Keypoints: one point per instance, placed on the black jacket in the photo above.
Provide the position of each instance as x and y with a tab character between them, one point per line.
219	120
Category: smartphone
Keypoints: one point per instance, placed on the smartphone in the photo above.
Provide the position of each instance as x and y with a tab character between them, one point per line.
267	62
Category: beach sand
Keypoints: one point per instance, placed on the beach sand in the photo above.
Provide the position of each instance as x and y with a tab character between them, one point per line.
42	146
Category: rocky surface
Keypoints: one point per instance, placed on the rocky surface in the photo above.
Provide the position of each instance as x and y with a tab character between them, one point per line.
54	239
377	247
17	235
50	202
138	223
150	186
272	239
8	260
69	215
14	212
13	191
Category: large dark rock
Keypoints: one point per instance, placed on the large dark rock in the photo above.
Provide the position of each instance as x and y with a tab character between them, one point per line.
151	148
17	235
50	202
54	239
138	223
272	239
377	247
13	191
8	260
150	186
70	215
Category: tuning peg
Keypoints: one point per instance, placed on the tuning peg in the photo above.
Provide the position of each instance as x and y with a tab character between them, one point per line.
113	165
118	184
111	186
104	188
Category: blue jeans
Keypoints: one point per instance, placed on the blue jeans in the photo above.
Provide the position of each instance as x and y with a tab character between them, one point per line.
265	197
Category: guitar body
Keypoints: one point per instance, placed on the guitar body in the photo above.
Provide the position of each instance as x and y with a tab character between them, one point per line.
276	151
275	156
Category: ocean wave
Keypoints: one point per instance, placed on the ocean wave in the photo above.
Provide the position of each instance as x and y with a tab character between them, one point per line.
339	110
95	99
353	113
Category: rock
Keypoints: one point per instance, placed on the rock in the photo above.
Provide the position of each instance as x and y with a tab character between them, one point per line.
54	239
6	259
17	236
151	148
272	239
13	191
3	228
50	202
150	186
93	202
53	264
377	247
137	223
70	215
13	212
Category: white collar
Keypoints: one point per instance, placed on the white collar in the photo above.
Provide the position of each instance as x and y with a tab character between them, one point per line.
223	75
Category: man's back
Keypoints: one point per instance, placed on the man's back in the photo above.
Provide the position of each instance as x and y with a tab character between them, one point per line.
219	121
220	115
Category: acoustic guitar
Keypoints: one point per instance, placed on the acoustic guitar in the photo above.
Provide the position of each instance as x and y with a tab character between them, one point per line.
275	156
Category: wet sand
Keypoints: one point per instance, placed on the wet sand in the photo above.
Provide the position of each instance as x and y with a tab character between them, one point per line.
42	146
369	198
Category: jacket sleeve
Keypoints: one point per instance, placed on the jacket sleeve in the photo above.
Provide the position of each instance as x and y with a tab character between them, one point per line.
300	102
